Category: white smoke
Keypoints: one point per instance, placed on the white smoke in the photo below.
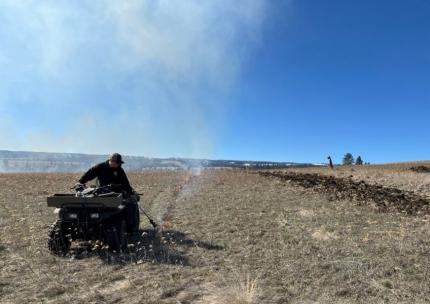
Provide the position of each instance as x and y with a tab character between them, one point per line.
140	77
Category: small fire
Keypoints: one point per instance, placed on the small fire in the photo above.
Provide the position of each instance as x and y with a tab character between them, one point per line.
168	215
187	178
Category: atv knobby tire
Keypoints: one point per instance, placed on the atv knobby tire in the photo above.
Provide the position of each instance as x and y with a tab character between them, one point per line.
58	243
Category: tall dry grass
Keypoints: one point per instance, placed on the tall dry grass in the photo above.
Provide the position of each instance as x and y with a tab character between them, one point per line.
242	290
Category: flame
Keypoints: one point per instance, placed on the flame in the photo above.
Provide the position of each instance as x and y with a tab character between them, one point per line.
168	215
186	180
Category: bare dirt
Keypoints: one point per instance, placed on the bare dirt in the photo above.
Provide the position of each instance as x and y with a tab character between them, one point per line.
228	236
420	169
384	198
400	176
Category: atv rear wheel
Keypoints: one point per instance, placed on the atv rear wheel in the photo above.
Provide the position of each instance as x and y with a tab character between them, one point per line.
58	243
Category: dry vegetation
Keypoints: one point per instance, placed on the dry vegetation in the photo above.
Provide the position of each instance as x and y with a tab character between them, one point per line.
228	237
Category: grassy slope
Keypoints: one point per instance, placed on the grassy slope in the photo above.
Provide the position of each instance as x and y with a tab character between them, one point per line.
220	228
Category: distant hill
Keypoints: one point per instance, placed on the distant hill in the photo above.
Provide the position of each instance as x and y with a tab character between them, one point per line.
20	161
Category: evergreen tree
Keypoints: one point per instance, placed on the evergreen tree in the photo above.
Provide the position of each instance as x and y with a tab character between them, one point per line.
348	159
359	161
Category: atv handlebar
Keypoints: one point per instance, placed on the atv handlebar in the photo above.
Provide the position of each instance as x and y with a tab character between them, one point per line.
78	187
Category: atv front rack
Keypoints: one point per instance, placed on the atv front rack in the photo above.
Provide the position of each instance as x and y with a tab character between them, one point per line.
58	200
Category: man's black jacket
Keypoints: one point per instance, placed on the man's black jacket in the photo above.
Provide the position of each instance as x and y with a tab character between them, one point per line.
107	175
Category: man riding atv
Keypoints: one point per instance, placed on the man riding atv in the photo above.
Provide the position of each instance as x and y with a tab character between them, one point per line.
108	172
107	213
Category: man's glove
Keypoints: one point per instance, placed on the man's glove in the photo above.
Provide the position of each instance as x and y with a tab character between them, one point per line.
79	187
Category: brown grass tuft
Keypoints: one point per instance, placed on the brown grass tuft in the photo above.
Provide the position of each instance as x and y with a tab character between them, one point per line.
323	235
242	291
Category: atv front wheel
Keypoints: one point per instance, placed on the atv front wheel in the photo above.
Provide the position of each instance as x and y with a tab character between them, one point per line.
58	243
133	218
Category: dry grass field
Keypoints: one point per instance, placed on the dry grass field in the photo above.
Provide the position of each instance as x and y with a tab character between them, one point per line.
230	236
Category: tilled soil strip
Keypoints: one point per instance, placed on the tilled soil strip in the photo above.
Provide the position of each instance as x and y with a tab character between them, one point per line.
385	198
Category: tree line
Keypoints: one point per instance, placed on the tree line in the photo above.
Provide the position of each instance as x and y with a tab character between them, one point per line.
349	160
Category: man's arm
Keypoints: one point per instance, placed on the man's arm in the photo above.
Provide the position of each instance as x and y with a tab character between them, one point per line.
124	182
90	174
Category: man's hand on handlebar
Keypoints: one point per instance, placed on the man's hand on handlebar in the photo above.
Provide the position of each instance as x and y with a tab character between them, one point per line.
79	187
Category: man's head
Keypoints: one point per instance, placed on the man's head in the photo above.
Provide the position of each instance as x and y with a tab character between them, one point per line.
115	160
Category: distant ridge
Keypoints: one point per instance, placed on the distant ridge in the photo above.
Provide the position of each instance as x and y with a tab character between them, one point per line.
24	161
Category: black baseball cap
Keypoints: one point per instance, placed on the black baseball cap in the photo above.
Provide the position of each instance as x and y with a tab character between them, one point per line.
116	157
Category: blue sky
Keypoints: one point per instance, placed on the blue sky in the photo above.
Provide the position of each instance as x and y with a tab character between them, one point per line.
263	80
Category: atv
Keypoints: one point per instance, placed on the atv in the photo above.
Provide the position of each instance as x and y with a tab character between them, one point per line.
105	215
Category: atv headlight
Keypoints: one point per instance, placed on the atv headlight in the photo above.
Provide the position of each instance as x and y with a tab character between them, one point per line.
72	216
94	215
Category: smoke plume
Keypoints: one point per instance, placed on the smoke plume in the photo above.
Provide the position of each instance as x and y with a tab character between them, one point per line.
140	77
